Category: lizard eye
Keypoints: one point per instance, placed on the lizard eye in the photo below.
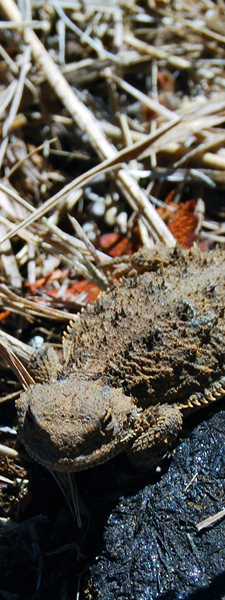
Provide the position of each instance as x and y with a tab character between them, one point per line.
107	420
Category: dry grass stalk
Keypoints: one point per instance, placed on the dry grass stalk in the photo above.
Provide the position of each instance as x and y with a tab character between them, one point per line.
30	309
170	139
88	123
17	367
105	167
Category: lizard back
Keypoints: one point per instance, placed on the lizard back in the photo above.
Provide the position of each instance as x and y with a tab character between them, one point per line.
160	334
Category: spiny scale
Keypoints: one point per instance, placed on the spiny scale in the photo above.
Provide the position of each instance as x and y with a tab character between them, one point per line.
211	394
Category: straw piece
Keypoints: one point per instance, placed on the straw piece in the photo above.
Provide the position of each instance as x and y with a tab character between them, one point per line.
146	100
211	520
28	308
9	261
83	117
6	451
18	368
176	61
140	202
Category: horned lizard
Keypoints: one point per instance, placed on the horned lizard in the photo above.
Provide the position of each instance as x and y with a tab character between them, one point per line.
147	352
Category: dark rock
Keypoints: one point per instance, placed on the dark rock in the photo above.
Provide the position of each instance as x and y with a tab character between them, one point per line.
152	546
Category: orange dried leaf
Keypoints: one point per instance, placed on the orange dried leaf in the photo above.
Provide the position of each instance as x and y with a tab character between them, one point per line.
107	240
182	220
55	275
92	291
117	245
4	315
122	247
84	285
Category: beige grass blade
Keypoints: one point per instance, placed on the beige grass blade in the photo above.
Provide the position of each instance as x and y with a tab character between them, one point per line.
107	165
16	366
83	117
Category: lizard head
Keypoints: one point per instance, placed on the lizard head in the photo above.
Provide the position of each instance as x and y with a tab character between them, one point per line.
75	423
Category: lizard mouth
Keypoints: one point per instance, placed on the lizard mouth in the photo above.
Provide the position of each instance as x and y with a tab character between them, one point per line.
72	465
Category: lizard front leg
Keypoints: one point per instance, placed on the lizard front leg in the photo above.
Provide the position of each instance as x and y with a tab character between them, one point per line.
157	429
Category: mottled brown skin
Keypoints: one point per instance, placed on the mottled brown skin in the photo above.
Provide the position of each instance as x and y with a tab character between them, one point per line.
146	353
